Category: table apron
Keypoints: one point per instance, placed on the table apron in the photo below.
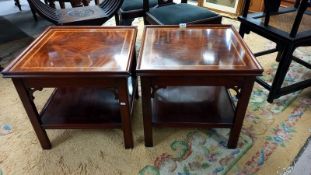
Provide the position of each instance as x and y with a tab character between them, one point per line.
72	82
199	81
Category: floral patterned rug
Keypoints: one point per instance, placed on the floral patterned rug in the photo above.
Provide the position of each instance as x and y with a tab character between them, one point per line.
200	153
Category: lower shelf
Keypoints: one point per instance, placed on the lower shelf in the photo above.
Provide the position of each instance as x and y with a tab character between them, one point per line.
81	108
192	107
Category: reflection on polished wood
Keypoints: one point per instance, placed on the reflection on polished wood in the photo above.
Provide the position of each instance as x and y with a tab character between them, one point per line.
78	49
216	48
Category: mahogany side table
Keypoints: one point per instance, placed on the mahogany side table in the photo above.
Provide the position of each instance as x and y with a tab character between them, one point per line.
91	70
186	74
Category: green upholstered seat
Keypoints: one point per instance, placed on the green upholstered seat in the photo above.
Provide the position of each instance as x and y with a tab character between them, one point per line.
129	5
180	13
130	10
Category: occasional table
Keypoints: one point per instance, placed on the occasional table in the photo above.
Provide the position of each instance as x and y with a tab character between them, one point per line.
91	69
186	74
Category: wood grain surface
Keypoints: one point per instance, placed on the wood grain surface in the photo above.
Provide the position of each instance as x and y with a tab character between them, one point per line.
210	48
78	49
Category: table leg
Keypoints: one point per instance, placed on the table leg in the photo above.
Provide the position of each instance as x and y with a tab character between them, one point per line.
246	91
125	113
147	115
32	113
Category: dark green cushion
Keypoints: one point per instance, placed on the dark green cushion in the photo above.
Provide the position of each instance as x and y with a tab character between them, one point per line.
180	13
136	4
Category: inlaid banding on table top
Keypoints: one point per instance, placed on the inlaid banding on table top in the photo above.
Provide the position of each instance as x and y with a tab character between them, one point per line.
86	49
205	48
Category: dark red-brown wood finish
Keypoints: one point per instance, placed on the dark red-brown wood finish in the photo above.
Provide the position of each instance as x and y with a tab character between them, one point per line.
64	51
91	69
216	49
186	74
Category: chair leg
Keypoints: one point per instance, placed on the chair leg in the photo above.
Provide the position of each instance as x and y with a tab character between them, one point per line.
85	2
145	21
18	4
117	19
243	30
280	74
33	11
126	22
280	48
76	3
51	3
61	4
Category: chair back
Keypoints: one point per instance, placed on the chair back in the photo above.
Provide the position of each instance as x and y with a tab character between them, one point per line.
160	3
272	8
301	10
44	10
164	2
111	7
269	6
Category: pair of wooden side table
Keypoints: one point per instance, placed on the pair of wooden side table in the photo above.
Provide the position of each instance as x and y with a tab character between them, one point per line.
185	76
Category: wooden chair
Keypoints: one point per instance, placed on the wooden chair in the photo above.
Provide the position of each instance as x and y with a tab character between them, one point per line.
289	28
130	10
88	15
169	13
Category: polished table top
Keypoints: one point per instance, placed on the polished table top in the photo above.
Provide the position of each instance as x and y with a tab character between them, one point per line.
65	50
210	48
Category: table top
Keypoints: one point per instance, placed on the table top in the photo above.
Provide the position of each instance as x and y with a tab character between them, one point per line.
73	51
216	49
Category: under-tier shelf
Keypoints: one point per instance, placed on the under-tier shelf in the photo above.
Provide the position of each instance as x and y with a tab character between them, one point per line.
81	108
190	106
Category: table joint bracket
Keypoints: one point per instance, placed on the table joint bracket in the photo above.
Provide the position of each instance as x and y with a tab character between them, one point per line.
237	91
31	91
154	89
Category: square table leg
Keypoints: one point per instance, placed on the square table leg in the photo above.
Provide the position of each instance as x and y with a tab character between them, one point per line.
32	112
242	104
147	113
125	113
